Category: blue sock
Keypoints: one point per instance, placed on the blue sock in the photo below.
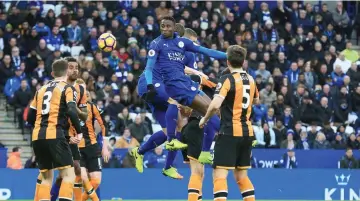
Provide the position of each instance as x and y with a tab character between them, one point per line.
155	140
171	155
171	121
209	132
54	192
98	193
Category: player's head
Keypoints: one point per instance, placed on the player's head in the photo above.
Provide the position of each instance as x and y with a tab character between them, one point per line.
180	29
88	97
73	68
167	26
59	68
190	34
236	56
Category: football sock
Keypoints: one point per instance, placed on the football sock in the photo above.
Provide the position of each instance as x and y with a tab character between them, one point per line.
246	189
171	121
200	196
220	189
155	140
89	192
77	188
194	187
44	192
209	132
38	182
55	191
171	155
98	193
66	191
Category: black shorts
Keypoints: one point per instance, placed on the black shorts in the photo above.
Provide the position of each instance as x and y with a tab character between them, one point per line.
192	135
75	152
91	158
52	154
232	152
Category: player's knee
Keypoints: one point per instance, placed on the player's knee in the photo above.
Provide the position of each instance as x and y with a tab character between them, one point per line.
240	174
220	173
84	175
197	168
68	175
77	168
47	177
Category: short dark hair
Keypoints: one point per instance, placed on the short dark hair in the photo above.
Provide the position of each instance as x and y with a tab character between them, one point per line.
169	18
59	67
15	149
70	59
190	32
180	29
236	56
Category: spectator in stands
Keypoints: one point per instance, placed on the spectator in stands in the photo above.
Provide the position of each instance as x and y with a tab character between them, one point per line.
139	129
20	101
126	141
265	136
6	71
155	159
288	160
280	132
343	63
303	142
14	160
123	121
13	84
339	142
352	142
146	119
348	161
31	162
321	142
115	107
73	31
349	53
289	142
267	95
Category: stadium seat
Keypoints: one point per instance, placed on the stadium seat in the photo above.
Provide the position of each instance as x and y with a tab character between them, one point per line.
75	50
156	127
58	9
46	8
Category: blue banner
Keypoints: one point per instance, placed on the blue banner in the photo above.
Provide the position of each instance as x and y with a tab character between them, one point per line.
3	158
270	184
267	158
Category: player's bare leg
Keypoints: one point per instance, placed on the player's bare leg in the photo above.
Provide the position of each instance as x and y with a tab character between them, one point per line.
67	184
88	186
245	185
220	184
78	182
195	181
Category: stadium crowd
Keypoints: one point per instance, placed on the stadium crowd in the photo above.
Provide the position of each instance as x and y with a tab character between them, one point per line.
302	59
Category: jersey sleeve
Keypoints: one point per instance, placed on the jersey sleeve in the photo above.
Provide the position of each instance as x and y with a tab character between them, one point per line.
151	60
83	99
70	95
33	102
193	47
223	87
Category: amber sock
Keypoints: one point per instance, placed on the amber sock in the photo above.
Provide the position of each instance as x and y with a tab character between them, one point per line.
77	188
66	191
89	192
44	192
220	189
194	187
38	182
246	189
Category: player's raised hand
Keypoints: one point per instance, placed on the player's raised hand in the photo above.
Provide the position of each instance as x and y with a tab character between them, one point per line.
74	140
79	136
151	93
202	122
105	154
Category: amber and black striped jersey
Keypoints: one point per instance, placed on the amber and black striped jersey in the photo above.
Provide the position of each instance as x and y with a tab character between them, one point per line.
239	91
50	103
88	129
81	103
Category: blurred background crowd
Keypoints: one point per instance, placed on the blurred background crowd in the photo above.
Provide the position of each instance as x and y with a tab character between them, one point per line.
301	55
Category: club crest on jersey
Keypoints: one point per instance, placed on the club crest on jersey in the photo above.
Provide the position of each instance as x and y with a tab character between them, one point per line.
181	44
157	84
151	53
218	87
193	88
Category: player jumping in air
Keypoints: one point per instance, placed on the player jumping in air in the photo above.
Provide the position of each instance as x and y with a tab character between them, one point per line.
235	94
90	151
52	105
166	55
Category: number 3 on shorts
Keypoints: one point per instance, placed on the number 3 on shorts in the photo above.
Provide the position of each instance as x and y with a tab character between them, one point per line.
246	96
46	103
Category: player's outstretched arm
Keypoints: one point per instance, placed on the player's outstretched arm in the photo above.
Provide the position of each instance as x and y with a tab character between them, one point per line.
31	117
70	97
191	71
151	60
193	47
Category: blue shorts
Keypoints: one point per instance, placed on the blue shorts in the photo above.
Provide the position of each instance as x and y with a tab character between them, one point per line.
182	89
159	105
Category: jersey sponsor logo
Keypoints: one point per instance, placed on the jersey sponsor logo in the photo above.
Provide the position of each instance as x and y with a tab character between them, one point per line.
181	44
218	86
151	53
176	56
